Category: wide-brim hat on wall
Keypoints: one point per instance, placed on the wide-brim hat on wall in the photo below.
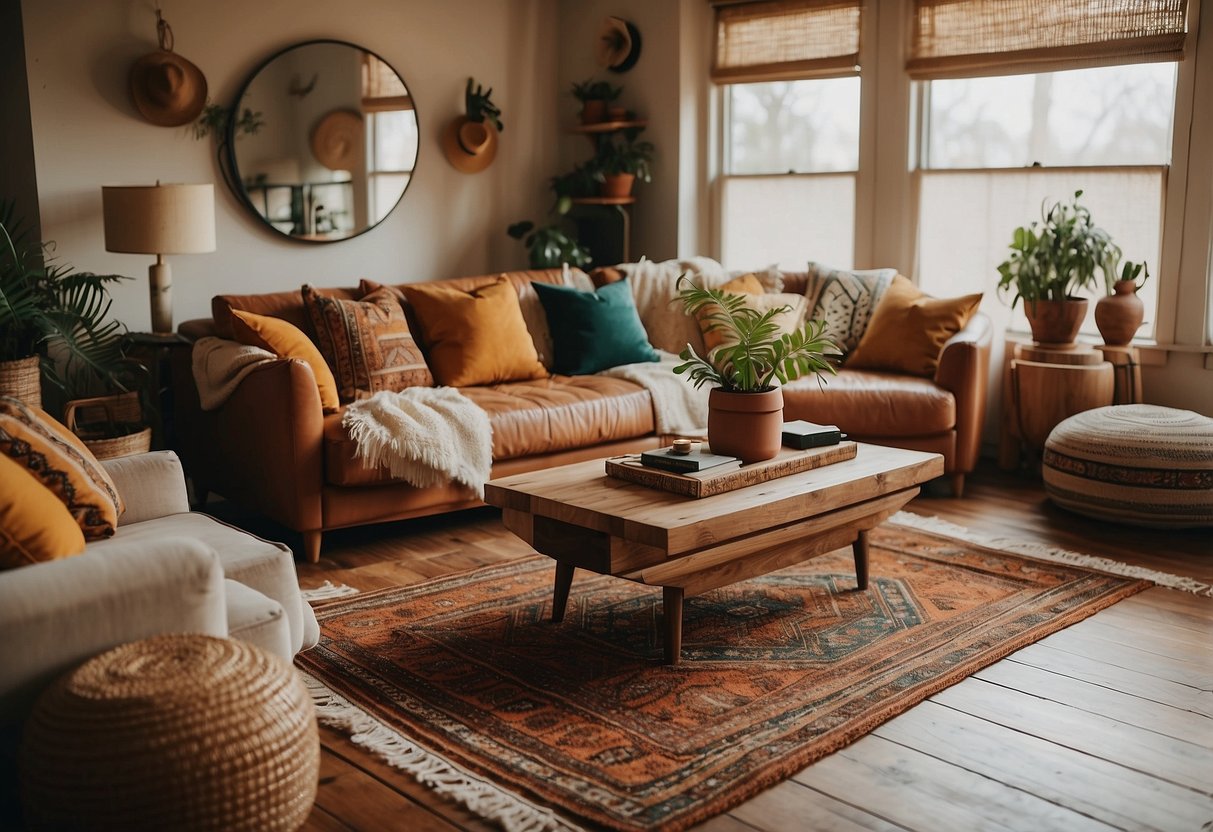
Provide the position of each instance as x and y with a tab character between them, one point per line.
470	146
167	89
337	140
618	44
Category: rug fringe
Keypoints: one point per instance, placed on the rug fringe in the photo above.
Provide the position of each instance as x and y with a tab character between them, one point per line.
1042	551
480	796
327	590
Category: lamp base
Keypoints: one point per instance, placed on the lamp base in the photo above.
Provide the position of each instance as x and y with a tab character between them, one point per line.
160	290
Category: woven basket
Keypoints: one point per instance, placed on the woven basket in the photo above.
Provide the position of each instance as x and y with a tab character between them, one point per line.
91	420
181	732
22	379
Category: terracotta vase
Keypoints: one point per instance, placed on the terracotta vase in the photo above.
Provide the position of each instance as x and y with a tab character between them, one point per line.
617	185
1118	316
748	426
593	111
1055	322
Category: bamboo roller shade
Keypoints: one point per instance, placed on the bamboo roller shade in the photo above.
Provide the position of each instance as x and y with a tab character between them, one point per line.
779	40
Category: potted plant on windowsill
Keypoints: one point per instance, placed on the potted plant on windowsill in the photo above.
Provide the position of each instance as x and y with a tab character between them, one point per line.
594	97
1119	313
1050	262
745	407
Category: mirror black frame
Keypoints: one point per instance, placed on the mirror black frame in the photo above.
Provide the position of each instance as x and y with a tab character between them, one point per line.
232	172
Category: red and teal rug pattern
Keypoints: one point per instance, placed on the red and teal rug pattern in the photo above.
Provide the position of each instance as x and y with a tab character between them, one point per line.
464	681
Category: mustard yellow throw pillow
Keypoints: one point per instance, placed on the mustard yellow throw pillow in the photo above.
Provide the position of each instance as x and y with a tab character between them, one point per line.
34	525
476	337
787	321
286	340
60	461
908	329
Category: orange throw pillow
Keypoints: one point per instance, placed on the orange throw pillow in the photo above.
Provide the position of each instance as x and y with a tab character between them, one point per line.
476	337
908	330
34	525
61	462
286	340
748	284
367	343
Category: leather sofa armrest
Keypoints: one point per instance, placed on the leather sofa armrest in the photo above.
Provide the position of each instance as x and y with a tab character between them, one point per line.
152	485
964	370
55	615
268	444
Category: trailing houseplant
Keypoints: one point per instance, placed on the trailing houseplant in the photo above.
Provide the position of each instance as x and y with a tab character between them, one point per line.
745	406
1051	261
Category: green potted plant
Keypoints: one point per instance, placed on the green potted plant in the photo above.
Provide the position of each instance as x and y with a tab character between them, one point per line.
1120	312
745	405
594	97
1050	262
55	324
551	244
621	163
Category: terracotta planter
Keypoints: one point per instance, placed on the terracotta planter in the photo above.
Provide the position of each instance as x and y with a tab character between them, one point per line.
22	379
617	185
593	111
1055	322
745	425
1118	316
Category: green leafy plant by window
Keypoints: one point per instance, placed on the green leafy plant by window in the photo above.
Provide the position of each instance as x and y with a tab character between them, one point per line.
761	355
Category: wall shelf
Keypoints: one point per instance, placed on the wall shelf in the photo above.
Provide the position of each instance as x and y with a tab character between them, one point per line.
608	126
603	200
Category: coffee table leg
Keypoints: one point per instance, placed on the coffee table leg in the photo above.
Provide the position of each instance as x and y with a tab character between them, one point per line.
671	611
560	599
860	547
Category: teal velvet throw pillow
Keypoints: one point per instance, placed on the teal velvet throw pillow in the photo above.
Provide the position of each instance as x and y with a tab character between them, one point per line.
594	331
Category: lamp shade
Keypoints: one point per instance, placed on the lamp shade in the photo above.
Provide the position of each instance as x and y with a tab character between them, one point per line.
159	219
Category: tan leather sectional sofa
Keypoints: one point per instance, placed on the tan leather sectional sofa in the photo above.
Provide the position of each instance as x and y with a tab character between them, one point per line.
271	449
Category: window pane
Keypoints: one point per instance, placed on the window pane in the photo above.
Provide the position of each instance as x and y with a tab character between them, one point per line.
794	126
966	221
788	220
386	189
1116	115
395	140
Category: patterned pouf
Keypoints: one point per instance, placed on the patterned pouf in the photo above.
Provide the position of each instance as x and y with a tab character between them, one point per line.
1137	463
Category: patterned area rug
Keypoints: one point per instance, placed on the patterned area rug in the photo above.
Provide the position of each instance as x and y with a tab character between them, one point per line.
464	682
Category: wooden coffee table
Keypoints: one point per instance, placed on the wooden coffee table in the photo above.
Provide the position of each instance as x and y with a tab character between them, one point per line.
581	518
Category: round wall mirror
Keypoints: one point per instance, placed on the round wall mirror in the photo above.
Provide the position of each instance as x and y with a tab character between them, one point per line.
335	146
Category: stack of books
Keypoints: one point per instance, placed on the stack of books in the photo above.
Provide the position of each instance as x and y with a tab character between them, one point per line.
801	434
684	463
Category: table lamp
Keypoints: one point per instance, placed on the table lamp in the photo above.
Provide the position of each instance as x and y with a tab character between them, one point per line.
159	219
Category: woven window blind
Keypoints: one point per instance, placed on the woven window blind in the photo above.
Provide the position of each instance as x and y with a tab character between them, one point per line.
382	88
970	38
778	40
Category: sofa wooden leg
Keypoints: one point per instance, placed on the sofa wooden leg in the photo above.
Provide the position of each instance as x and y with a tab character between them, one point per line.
311	546
958	485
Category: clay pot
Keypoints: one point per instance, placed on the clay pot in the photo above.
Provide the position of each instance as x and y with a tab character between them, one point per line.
593	111
617	185
1118	316
745	425
1055	322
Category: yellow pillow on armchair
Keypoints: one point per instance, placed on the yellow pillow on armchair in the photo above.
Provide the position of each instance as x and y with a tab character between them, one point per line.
35	526
908	329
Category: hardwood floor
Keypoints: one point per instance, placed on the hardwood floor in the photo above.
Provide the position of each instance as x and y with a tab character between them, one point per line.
1105	725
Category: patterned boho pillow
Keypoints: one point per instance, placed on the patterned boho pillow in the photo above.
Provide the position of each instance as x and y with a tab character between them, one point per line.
34	526
61	462
367	343
845	300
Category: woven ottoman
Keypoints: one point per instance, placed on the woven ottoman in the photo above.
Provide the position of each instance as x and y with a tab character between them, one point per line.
1139	464
180	732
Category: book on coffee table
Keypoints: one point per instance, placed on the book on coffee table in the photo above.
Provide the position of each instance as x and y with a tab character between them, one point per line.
802	434
698	460
728	477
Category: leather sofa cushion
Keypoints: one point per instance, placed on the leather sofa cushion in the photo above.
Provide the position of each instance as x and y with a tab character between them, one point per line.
529	417
286	305
866	403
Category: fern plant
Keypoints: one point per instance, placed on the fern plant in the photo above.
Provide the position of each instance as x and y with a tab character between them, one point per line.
761	355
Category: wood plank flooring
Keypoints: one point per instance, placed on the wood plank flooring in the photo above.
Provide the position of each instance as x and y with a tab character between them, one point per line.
1105	725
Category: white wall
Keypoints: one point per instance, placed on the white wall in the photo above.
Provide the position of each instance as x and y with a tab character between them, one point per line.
87	133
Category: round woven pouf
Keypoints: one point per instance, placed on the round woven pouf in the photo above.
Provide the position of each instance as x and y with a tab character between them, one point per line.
1139	464
181	732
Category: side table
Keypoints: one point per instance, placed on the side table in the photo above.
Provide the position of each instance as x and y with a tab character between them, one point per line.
1044	385
154	351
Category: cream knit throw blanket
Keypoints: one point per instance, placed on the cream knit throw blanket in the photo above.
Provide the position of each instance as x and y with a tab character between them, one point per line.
219	366
424	435
679	408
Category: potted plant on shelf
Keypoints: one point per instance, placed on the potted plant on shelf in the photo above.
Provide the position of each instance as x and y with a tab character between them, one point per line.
1119	313
621	163
745	407
551	244
594	97
1050	262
